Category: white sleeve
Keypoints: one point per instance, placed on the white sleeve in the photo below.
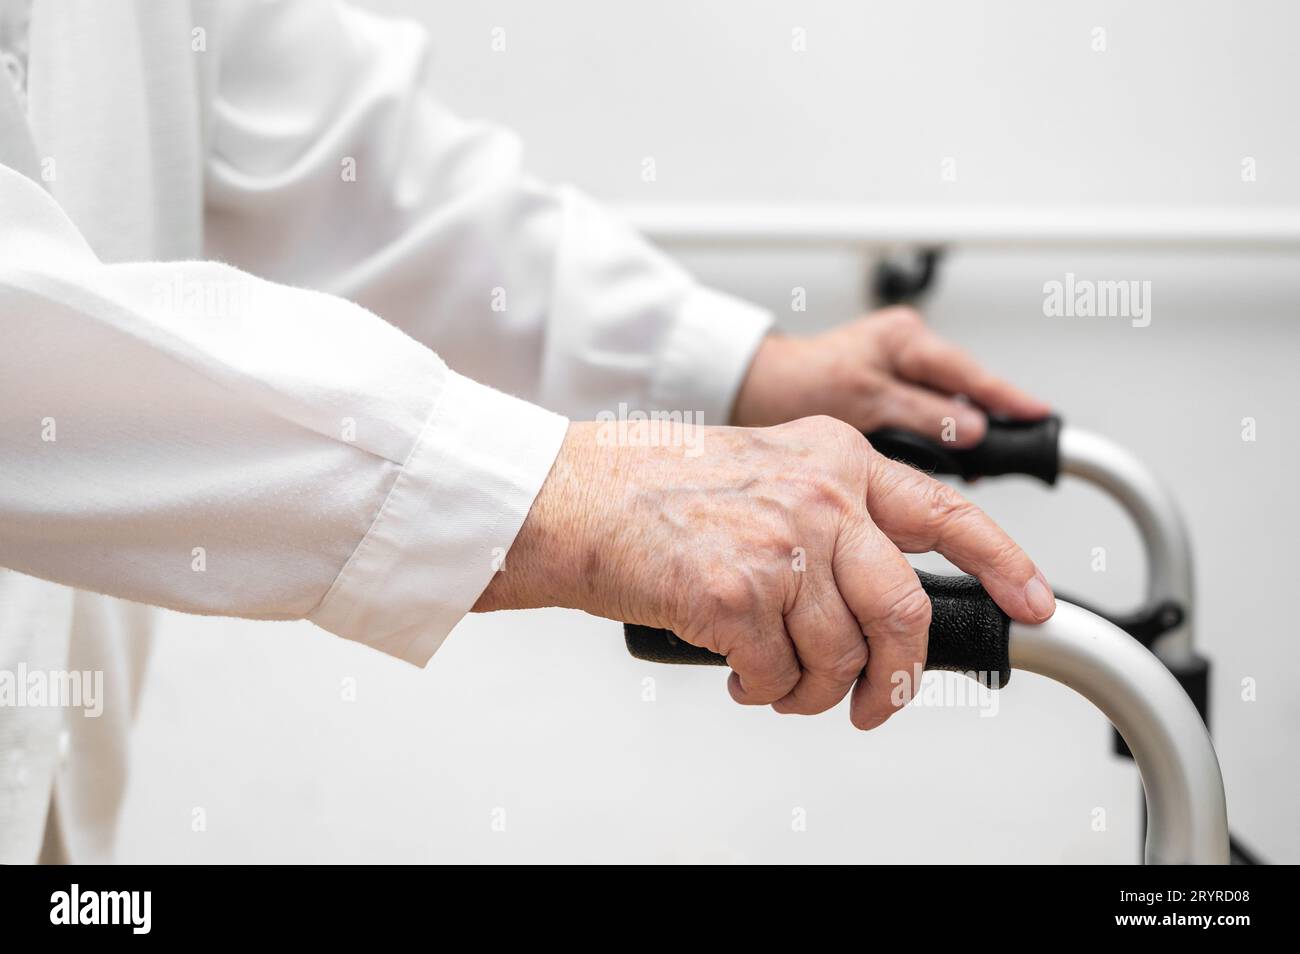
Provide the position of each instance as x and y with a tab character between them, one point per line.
187	435
331	166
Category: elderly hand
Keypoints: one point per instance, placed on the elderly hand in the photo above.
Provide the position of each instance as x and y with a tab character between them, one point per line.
781	548
887	369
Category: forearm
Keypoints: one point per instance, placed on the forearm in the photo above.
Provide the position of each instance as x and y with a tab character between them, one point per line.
187	435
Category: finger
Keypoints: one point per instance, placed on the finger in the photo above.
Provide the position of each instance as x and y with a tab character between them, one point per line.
829	644
763	662
885	595
933	415
928	359
920	514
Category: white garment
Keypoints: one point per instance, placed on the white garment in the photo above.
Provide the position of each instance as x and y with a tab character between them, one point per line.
177	431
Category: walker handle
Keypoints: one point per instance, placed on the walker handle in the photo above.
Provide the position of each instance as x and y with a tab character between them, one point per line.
1031	448
968	634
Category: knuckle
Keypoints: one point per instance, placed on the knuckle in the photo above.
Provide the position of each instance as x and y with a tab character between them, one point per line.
802	699
846	666
766	687
1005	553
771	671
909	611
819	699
729	595
826	427
902	326
782	674
844	447
946	506
834	471
902	316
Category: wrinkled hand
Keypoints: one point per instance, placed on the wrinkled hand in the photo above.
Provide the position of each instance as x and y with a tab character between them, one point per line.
781	548
887	369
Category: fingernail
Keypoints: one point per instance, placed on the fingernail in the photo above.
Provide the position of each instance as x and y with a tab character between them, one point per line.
1039	597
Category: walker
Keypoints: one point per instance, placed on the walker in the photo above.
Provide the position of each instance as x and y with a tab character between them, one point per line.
1045	449
1187	820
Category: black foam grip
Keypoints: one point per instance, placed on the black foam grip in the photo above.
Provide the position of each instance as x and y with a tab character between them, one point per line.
1031	448
968	634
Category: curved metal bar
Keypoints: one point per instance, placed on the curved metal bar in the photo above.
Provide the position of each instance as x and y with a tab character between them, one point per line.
1164	534
1187	816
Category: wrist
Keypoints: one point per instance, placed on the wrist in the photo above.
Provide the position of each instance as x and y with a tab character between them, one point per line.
545	565
764	396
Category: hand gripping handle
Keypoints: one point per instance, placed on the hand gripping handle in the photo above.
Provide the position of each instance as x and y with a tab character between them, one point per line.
968	634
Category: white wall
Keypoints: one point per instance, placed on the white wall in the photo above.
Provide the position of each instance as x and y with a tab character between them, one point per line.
1011	90
541	714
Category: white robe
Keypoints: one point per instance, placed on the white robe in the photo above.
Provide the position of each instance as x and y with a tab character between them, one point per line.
232	237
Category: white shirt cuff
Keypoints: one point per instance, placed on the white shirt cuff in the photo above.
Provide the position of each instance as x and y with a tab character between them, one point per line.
707	355
447	523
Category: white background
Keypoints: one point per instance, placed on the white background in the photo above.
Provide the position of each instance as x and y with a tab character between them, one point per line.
541	715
